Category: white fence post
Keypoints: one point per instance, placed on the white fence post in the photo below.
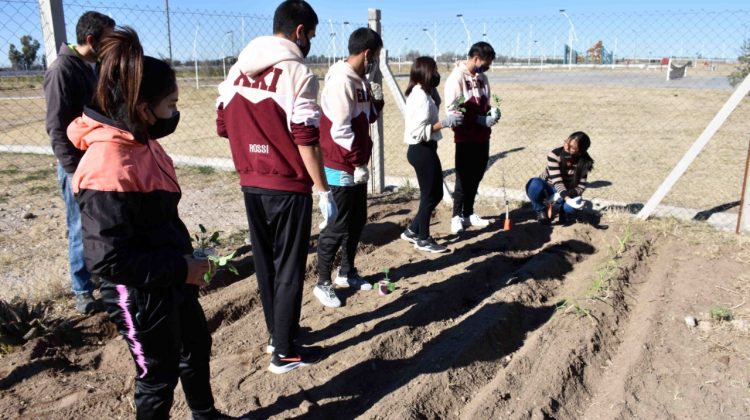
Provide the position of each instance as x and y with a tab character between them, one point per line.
376	129
53	27
695	149
743	220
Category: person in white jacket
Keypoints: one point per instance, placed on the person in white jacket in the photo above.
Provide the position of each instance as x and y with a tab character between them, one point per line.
422	132
472	138
267	109
349	107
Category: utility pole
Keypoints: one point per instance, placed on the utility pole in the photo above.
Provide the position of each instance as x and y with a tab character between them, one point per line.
169	30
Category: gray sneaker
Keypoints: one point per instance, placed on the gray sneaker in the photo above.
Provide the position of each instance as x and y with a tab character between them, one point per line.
354	281
86	305
326	295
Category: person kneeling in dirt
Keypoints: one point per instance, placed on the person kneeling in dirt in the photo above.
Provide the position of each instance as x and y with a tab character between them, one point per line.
563	180
349	106
133	238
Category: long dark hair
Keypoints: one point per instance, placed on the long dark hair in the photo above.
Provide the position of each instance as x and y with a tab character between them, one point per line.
585	163
122	85
423	72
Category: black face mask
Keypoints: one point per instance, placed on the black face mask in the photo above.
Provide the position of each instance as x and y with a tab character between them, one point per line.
435	80
163	126
305	48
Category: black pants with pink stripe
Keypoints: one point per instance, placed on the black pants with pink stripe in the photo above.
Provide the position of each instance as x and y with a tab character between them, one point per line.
471	162
168	337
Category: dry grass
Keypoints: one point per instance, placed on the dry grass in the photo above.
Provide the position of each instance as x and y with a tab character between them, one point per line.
638	135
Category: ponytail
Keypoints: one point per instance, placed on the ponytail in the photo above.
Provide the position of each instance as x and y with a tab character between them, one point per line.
120	76
122	85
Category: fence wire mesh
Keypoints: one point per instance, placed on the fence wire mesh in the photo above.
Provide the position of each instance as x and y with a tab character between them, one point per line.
602	73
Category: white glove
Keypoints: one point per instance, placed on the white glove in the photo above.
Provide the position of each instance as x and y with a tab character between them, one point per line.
327	208
452	120
377	91
576	203
361	174
556	197
487	120
495	112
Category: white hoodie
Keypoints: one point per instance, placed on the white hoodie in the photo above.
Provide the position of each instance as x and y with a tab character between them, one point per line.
266	108
348	110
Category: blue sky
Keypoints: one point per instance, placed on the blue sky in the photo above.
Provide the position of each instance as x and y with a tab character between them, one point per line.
518	28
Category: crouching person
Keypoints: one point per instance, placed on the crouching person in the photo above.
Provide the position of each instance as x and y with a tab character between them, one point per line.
563	180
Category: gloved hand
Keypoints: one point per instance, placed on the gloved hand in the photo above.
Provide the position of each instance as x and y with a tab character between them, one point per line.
495	112
487	120
452	120
327	208
361	174
555	198
377	91
576	202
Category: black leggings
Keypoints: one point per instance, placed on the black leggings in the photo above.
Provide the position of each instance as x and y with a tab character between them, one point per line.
471	162
424	158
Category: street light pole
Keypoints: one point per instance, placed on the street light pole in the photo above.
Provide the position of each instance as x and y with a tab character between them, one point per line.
224	53
466	28
434	43
571	36
195	56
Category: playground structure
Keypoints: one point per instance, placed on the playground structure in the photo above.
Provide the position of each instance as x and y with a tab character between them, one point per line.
597	54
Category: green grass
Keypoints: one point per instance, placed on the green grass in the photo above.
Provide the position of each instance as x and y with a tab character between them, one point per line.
720	313
39	175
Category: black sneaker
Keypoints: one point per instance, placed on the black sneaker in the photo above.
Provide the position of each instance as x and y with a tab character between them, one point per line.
213	414
410	236
85	304
542	218
283	364
429	245
566	219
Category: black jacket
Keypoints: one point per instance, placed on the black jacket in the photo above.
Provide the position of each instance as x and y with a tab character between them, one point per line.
128	194
69	85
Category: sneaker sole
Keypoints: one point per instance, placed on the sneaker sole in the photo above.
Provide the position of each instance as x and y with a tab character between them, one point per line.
408	239
345	283
286	368
432	251
270	349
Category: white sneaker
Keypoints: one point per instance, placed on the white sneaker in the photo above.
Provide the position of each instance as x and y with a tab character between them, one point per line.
327	296
355	282
475	220
457	224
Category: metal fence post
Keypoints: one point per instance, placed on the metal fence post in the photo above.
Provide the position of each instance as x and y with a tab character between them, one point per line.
376	129
53	27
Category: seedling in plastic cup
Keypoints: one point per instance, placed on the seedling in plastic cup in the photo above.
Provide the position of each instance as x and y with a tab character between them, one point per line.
206	249
496	109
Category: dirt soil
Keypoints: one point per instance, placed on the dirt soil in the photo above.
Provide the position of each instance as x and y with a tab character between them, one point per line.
537	322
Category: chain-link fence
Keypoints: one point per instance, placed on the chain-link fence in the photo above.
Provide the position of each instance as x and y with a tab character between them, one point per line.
605	74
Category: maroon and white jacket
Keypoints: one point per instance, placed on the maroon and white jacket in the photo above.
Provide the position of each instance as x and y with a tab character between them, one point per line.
476	91
266	108
348	110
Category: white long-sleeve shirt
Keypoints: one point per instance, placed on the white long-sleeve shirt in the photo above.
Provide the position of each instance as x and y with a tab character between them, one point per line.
421	114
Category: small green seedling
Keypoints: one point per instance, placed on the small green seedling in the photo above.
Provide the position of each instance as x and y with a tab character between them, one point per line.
205	248
458	105
497	100
720	314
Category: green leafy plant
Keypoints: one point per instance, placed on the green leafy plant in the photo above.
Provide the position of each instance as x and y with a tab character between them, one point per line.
497	100
720	314
391	286
458	105
21	321
205	245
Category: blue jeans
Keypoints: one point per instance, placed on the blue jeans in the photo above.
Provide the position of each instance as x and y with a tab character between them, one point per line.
80	277
538	190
